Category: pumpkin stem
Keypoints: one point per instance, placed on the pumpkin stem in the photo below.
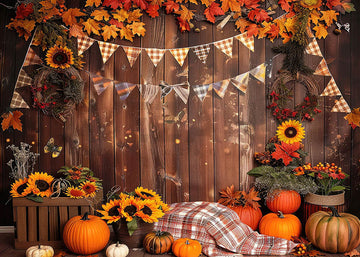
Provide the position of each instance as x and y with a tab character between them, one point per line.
187	242
280	215
39	246
335	212
86	216
117	244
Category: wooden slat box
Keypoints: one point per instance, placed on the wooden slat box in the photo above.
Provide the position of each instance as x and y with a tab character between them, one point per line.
43	223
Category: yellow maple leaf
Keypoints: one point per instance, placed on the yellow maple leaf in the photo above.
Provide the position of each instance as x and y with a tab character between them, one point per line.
69	16
92	26
353	117
109	32
321	31
329	17
280	23
138	28
241	24
266	26
185	13
120	15
134	15
126	33
314	17
233	5
92	3
100	15
193	2
289	24
12	119
207	3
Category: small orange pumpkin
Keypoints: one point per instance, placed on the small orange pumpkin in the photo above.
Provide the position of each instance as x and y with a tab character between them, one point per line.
248	215
158	242
286	201
185	247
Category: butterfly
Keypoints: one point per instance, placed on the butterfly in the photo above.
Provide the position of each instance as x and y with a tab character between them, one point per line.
50	147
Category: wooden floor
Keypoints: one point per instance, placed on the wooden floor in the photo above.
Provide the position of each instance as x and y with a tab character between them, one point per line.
7	249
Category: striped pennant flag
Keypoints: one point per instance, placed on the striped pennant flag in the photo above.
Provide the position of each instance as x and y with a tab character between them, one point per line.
341	106
32	58
182	90
220	87
124	89
149	92
100	83
107	49
322	69
84	44
259	72
202	52
331	89
201	90
132	54
155	55
241	82
225	46
246	41
180	54
313	48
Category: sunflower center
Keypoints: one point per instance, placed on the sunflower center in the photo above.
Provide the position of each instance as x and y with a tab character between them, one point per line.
21	188
290	132
131	210
147	194
42	185
89	188
114	211
146	210
60	58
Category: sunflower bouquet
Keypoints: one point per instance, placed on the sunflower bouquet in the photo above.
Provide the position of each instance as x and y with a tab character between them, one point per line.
140	205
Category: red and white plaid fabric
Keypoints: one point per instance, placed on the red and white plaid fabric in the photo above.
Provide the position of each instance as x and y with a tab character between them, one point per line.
322	69
241	82
220	87
202	52
331	89
225	46
313	48
155	55
247	41
84	43
31	58
219	230
132	54
107	49
341	106
180	54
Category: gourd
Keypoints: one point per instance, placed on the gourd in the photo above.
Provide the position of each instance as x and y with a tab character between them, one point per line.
280	225
286	201
86	235
40	251
158	242
117	250
249	215
185	247
333	232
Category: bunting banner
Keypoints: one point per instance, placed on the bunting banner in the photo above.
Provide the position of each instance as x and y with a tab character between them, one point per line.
17	100
106	50
313	48
241	82
259	72
220	87
246	41
201	91
149	92
124	89
202	52
155	55
84	44
180	54
182	90
31	58
331	89
225	46
132	54
341	106
100	83
322	69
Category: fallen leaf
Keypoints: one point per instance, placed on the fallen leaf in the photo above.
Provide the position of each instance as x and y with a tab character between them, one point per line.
251	4
121	15
152	10
183	24
273	32
329	17
258	15
352	253
69	17
76	31
22	27
134	15
252	30
286	152
313	253
138	28
92	26
12	119
321	31
353	118
315	17
127	33
109	32
284	4
185	13
241	24
100	15
212	10
348	7
171	6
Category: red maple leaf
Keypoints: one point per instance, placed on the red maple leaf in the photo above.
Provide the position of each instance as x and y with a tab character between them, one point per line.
332	3
24	10
252	30
117	23
114	4
274	31
258	15
127	4
284	4
171	6
142	4
183	24
286	152
212	10
251	4
152	10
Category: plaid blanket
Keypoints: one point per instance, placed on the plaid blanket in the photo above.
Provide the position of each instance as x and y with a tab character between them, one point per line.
219	230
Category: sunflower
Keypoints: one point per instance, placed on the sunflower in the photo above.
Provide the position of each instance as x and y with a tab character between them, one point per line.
111	211
147	194
129	207
311	4
40	184
59	57
89	188
149	211
75	192
163	206
290	131
20	188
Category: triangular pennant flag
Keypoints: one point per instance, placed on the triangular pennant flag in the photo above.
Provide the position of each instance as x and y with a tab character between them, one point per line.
180	54
259	72
225	46
149	92
124	89
100	83
18	102
132	54
202	52
341	106
247	41
201	90
107	49
241	81
220	87
322	69
23	79
155	55
183	91
331	89
313	48
31	58
84	43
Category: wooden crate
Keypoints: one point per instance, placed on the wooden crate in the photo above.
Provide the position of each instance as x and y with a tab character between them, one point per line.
43	223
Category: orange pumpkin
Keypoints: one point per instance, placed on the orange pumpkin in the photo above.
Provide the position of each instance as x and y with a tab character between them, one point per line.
286	201
333	232
86	235
185	247
280	225
158	242
248	215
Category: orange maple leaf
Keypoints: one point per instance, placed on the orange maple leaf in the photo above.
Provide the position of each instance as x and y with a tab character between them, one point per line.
138	28
134	15
284	4
241	24
49	9
100	15
12	119
352	253
273	32
76	31
185	13
329	17
315	17
183	24
127	33
321	31
92	26
252	198
233	5
69	16
354	118
212	10
258	15
252	30
171	6
286	152
22	27
92	3
152	10
109	32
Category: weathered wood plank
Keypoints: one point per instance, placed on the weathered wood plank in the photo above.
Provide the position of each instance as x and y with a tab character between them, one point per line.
32	223
43	223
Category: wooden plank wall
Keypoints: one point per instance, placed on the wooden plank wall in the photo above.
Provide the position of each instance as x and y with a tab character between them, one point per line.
128	143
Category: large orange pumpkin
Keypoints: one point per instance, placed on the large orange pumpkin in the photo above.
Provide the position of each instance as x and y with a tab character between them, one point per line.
86	235
248	215
158	242
185	247
333	232
280	225
286	201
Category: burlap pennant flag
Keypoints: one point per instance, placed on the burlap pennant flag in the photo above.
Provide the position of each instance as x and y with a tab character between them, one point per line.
84	44
225	46
132	54
180	54
32	58
246	41
155	55
201	90
322	69
202	52
341	106
313	48
259	72
107	49
220	87
331	89
241	82
149	92
124	89
100	83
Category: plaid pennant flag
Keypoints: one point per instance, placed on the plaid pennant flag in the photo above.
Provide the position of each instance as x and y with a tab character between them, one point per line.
32	58
331	89
202	52
124	89
18	102
180	54
155	55
84	43
322	69
246	41
100	83
23	79
107	49
220	87
313	48
201	90
341	106
149	92
241	82
225	46
132	54
259	72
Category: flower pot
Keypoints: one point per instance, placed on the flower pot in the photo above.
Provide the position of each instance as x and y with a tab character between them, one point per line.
137	238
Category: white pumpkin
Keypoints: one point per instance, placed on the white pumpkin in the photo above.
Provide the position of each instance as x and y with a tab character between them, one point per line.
117	250
40	251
